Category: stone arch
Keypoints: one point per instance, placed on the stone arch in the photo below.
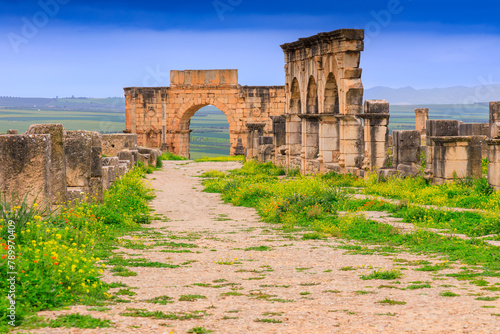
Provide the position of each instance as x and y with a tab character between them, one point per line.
187	111
295	102
331	104
312	96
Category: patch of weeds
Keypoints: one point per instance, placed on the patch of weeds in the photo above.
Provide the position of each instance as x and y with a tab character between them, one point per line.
272	321
117	285
313	236
191	298
199	330
347	268
448	294
436	267
273	286
231	293
418	286
99	308
188	262
309	284
176	251
388	313
133	312
258	249
272	314
78	321
119	261
331	291
125	292
488	299
122	271
304	293
363	292
281	300
328	271
228	318
172	244
388	301
162	300
383	274
302	269
386	286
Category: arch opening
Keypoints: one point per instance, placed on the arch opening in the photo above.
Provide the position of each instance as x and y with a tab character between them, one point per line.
208	131
295	103
312	97
331	105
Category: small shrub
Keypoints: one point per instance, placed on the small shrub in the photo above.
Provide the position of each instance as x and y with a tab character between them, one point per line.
383	274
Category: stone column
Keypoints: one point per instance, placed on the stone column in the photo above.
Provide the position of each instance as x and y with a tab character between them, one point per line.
376	137
293	140
494	165
255	130
279	139
494	146
164	146
96	183
329	146
310	143
421	117
58	159
351	143
495	120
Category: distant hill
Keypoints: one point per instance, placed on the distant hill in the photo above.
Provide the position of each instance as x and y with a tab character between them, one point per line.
111	104
450	95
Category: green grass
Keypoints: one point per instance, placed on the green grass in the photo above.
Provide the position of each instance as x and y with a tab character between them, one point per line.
383	274
191	298
388	301
312	202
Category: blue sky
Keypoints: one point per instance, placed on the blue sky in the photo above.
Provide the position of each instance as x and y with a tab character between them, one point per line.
95	48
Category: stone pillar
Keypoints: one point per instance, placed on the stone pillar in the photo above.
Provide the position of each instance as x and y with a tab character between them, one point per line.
25	167
329	146
255	130
494	165
376	138
279	141
351	143
265	149
58	159
456	157
421	117
406	151
293	140
437	128
164	126
239	150
495	120
494	146
96	185
310	143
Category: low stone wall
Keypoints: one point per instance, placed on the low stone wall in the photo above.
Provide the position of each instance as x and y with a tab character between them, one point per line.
53	166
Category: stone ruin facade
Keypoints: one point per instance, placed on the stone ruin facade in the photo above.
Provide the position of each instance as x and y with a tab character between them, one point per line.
53	166
160	116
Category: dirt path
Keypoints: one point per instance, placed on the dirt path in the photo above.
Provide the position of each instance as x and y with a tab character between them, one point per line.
250	277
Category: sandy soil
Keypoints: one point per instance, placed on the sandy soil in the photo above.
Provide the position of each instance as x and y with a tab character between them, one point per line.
298	284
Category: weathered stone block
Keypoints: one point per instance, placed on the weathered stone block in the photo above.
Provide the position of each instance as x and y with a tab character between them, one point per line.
96	161
58	159
26	167
406	147
96	188
78	152
144	158
376	107
12	132
110	161
126	155
442	128
128	163
113	143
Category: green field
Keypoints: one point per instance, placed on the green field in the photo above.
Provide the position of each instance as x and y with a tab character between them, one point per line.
104	122
210	136
403	117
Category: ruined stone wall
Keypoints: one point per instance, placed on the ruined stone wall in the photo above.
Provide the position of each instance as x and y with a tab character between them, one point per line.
324	98
161	116
53	166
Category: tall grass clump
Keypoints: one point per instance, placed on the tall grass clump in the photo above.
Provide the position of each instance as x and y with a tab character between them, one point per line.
57	257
